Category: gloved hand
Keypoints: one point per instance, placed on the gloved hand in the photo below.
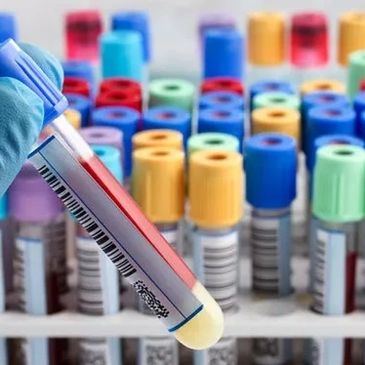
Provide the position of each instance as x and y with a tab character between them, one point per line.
21	115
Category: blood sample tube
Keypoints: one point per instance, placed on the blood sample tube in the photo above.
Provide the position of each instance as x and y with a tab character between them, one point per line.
40	272
222	84
3	274
224	99
270	164
158	138
137	21
83	28
122	55
82	104
338	196
98	280
172	92
309	44
322	85
80	69
221	120
124	119
156	170
215	216
76	85
276	99
223	54
356	72
212	141
8	26
73	117
168	117
266	46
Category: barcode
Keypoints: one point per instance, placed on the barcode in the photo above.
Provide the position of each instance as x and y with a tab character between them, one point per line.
225	351
219	267
95	351
158	351
272	351
88	223
319	273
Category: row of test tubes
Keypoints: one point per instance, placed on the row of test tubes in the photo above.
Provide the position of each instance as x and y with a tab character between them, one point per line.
152	163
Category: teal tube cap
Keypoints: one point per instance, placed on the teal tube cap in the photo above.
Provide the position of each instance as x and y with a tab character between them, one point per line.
3	206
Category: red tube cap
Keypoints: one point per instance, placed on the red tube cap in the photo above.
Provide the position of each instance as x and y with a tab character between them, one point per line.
222	84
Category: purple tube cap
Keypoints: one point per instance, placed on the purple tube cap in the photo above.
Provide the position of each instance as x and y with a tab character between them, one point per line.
103	136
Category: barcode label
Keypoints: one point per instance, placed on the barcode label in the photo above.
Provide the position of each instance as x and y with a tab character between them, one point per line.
225	352
329	287
100	351
166	294
270	245
158	351
2	278
272	351
326	351
216	265
98	280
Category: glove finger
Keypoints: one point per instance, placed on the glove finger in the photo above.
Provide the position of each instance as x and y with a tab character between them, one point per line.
21	117
47	62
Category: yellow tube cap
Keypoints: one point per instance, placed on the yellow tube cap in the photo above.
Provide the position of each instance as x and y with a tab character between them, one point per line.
322	85
351	36
74	117
216	188
158	183
266	38
158	138
277	119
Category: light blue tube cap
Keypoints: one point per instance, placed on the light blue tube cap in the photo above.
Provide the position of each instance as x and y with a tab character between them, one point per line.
110	156
122	54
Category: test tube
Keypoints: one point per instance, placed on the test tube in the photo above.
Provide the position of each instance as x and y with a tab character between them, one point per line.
98	280
8	26
224	99
172	92
40	271
82	104
223	53
216	206
83	28
76	85
222	84
338	196
158	138
355	72
80	69
168	117
266	46
120	83
222	120
3	274
124	119
156	170
134	245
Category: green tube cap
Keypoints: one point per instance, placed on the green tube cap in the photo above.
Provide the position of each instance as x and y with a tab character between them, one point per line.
339	181
276	98
172	92
212	141
356	72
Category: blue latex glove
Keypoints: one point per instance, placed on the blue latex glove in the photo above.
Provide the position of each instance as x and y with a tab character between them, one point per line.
21	116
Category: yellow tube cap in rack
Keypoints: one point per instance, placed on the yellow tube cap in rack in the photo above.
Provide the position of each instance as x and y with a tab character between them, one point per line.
216	188
266	38
158	183
158	138
322	85
74	117
276	119
351	36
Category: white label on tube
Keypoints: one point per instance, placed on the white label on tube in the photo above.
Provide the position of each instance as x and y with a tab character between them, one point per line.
272	351
103	351
270	244
225	352
327	351
98	285
158	351
35	351
3	351
330	272
216	265
166	294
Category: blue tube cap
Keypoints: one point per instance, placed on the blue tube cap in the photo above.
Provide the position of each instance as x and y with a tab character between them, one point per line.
122	54
221	99
126	120
137	21
168	117
80	69
359	106
8	26
331	139
223	53
222	120
17	64
82	104
271	168
327	120
110	156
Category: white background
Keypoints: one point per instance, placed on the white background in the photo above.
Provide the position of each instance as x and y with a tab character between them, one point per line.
174	22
